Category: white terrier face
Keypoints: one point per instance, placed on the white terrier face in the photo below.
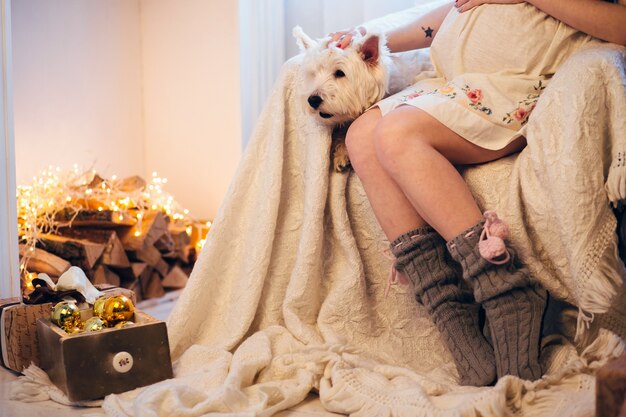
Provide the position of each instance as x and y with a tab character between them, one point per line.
340	84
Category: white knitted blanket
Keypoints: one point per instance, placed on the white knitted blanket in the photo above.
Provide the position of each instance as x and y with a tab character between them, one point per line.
287	296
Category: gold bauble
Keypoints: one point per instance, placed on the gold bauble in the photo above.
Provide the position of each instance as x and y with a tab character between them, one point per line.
94	324
65	315
118	308
123	324
75	330
98	306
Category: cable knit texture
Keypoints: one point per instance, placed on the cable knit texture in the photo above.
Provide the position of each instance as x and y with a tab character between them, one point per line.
513	305
421	255
287	295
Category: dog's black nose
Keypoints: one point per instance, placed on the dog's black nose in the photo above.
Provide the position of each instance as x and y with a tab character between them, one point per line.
315	101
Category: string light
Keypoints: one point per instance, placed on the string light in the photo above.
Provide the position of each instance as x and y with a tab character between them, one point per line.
55	195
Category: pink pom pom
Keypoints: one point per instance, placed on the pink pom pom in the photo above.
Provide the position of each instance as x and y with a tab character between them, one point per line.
491	248
499	229
490	216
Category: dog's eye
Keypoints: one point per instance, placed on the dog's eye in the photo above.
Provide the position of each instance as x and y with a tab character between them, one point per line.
339	74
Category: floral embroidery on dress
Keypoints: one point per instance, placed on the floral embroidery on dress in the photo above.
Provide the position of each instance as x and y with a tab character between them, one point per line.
448	91
475	96
412	95
525	106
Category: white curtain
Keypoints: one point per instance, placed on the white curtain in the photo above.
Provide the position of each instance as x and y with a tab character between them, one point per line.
266	40
262	53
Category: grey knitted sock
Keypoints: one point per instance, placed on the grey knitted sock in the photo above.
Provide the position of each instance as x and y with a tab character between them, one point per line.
421	254
514	307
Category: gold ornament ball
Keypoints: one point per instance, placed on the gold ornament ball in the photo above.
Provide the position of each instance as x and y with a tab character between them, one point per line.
94	324
118	308
65	315
74	330
98	306
123	324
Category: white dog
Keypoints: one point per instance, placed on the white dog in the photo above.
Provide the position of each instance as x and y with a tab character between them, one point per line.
340	84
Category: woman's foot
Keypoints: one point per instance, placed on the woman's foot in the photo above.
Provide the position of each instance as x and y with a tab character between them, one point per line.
421	255
514	306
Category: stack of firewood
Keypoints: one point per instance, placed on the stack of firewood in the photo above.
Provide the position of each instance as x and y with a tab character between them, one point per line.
141	249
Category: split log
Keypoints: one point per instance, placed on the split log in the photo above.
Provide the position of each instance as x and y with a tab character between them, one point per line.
143	272
135	277
199	231
153	225
91	204
131	184
103	275
152	257
181	242
101	219
79	252
111	290
176	278
135	287
165	243
153	287
139	269
170	256
42	261
113	255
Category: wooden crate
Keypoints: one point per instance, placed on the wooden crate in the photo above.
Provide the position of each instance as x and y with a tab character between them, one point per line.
18	328
91	365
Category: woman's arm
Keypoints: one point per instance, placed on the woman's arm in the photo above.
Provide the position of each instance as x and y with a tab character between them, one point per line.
414	35
419	33
604	20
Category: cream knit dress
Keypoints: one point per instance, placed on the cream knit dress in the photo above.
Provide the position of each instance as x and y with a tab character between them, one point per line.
491	63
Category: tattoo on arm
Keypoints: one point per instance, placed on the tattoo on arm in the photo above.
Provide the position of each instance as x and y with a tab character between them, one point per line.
428	32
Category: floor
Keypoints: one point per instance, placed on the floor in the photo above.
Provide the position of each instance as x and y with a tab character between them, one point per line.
159	309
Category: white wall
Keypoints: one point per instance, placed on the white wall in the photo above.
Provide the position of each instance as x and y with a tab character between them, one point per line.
130	87
192	97
77	86
320	17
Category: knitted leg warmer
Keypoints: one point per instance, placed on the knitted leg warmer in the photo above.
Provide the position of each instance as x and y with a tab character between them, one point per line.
514	307
422	257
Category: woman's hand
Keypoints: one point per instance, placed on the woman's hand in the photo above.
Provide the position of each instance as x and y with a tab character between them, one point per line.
465	5
344	37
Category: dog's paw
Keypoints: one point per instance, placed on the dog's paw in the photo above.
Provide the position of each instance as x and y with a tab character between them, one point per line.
341	160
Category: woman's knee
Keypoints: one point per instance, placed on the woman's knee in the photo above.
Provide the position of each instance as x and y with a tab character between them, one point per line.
393	136
360	139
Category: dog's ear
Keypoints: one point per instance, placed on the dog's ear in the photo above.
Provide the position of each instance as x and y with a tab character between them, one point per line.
302	39
370	49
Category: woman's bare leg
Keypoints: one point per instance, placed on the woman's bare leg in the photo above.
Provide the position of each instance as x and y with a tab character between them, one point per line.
392	209
406	160
417	155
